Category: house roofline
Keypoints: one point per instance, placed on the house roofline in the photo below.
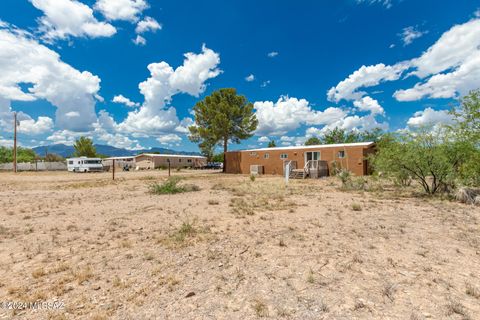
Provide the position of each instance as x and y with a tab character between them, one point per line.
318	146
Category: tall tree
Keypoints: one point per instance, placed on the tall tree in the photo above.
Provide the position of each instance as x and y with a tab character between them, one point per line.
84	148
338	135
272	144
222	117
313	141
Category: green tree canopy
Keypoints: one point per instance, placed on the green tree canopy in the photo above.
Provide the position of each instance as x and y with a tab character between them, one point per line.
272	144
219	157
222	117
84	148
467	117
313	141
23	155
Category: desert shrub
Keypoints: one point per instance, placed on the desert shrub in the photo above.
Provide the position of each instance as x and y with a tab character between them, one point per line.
171	186
428	157
345	176
252	177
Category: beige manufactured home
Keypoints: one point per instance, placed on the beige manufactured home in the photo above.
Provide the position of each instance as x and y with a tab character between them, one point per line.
155	161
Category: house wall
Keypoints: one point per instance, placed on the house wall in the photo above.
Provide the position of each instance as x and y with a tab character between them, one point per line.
240	161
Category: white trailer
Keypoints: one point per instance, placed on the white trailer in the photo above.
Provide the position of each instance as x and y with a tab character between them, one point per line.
84	164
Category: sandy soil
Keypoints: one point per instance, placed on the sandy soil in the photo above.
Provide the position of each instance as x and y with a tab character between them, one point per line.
236	249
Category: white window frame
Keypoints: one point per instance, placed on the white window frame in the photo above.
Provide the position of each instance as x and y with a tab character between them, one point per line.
341	156
266	155
284	156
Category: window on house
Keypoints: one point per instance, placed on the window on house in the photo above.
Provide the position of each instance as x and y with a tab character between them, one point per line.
253	153
341	154
284	156
179	160
189	160
266	155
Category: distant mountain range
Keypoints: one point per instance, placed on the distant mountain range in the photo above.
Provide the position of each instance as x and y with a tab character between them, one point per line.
67	151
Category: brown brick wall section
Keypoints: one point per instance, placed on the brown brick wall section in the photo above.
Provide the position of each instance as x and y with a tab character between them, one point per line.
240	161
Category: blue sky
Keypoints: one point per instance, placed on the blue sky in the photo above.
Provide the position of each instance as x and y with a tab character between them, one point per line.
75	67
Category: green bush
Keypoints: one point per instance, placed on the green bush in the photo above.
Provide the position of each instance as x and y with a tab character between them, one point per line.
170	186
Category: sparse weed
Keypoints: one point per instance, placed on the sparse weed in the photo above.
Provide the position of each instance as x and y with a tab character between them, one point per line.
473	291
389	290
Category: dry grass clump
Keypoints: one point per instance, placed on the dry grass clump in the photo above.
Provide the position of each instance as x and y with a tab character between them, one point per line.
468	196
185	235
260	308
455	307
38	273
171	186
356	207
83	275
260	196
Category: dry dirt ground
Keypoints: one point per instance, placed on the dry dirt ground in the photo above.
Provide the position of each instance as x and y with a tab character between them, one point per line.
236	249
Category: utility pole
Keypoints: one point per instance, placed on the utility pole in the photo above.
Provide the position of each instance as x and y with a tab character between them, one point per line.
15	142
113	169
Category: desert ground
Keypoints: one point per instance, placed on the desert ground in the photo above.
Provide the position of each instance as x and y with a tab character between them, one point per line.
235	249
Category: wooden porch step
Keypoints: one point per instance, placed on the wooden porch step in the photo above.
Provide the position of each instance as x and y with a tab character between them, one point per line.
297	174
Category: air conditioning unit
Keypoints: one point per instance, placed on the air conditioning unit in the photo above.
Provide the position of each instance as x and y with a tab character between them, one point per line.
256	169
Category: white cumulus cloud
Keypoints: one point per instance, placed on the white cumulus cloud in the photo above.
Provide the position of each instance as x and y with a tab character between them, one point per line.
148	24
140	41
451	65
366	76
154	117
65	18
369	104
129	10
169	139
124	100
24	61
409	34
250	78
430	117
287	114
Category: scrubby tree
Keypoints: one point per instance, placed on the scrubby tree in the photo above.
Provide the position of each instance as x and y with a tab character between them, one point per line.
222	117
466	130
467	117
313	141
53	157
434	158
338	135
84	148
272	144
